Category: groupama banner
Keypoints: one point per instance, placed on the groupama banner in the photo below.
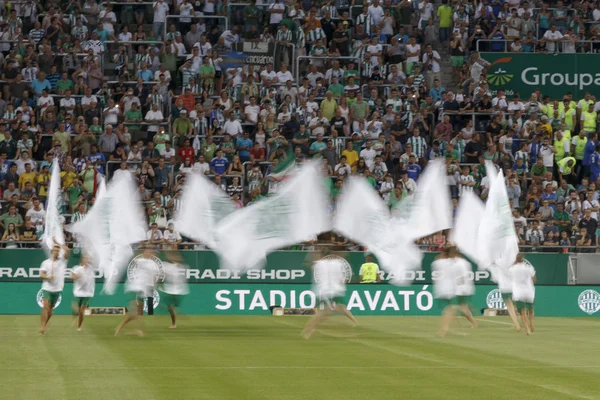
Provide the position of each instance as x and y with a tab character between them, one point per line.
553	74
255	299
282	267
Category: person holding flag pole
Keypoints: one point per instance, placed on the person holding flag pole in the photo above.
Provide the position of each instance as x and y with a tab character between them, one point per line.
83	288
52	273
174	285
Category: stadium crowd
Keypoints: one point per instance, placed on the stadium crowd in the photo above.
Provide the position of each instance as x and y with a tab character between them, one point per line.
155	89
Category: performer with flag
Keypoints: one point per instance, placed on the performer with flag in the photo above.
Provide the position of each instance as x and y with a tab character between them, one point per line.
523	279
329	285
501	276
140	286
52	272
465	287
83	288
444	288
174	285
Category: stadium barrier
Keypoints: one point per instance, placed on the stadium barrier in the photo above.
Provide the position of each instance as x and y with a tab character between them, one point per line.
282	267
255	299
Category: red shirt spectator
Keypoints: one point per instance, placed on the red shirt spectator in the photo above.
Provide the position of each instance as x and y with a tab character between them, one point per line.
186	152
257	153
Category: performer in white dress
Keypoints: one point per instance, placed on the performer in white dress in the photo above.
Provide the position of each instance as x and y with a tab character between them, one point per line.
174	285
140	286
330	287
501	276
83	288
523	279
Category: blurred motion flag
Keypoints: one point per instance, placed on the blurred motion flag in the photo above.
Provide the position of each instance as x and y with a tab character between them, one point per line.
465	234
429	210
114	223
53	229
363	217
232	59
295	214
203	206
498	242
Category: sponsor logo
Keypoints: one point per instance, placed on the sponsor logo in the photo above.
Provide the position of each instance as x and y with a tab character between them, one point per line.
160	270
156	301
494	300
346	267
40	299
589	301
498	76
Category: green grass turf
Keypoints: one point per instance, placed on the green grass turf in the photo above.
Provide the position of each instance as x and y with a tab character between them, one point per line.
265	358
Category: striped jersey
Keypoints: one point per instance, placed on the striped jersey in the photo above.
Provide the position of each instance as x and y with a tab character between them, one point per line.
284	36
365	20
419	145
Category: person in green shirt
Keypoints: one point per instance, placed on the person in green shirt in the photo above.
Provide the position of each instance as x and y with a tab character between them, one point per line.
397	195
350	72
538	170
182	127
358	110
134	115
207	71
445	14
169	59
96	128
336	88
561	218
74	191
11	217
228	147
209	148
251	15
160	139
317	147
64	83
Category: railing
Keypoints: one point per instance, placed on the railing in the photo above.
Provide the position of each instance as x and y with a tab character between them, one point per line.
326	59
194	19
580	46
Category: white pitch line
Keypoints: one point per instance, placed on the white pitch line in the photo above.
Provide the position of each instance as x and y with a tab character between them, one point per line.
427	367
494	322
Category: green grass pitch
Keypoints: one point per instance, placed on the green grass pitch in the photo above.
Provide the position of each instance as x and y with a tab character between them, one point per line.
265	358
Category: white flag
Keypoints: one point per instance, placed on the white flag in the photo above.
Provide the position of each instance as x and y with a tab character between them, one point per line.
498	239
113	224
53	229
362	217
465	234
203	206
430	208
295	214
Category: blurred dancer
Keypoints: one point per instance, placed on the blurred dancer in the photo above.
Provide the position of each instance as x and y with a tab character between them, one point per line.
83	288
174	285
501	276
523	279
140	286
444	288
465	287
52	272
329	285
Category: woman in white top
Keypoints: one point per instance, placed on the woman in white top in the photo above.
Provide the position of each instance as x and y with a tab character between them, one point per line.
141	286
330	285
501	276
83	288
465	287
174	284
523	279
444	289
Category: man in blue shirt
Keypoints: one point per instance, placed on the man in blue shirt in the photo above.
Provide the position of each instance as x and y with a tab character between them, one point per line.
40	84
590	147
436	91
595	164
97	159
219	164
244	144
145	73
413	169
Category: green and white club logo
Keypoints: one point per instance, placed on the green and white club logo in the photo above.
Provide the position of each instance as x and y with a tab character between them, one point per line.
498	75
589	301
40	299
156	297
494	300
160	270
347	268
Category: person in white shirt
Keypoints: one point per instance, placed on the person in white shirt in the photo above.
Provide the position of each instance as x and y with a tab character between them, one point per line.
284	75
111	113
413	52
68	102
552	36
368	154
83	288
426	13
141	286
161	9
376	12
515	105
444	288
466	182
431	65
174	285
276	11
523	279
501	276
252	111
108	19
232	126
171	237
154	115
45	101
52	273
201	166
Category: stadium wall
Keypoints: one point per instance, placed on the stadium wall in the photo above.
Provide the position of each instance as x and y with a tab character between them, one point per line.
286	282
